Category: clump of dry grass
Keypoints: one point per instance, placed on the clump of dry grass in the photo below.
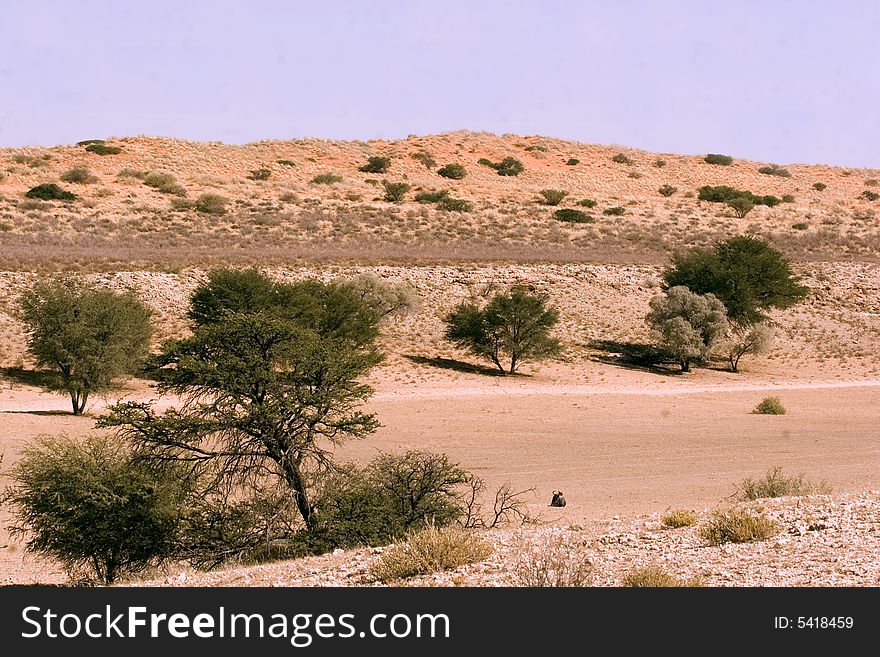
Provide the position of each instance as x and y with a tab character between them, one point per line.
776	484
557	564
737	526
656	577
679	518
430	550
770	406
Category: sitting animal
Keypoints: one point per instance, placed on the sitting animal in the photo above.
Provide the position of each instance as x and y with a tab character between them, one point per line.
558	499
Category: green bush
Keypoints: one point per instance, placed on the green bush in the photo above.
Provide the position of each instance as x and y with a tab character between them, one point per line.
656	577
615	211
659	163
588	203
869	196
395	192
94	507
620	158
775	484
211	204
286	163
376	164
88	142
509	166
50	192
741	206
452	171
431	197
570	215
770	406
164	182
573	161
775	170
724	194
539	148
787	198
717	158
260	174
820	187
679	518
326	179
801	225
103	149
737	526
429	551
552	196
667	190
425	158
455	204
79	175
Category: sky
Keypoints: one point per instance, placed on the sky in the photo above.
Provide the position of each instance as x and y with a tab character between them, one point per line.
774	80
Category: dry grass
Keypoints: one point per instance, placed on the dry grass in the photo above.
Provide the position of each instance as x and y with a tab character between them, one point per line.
737	526
430	550
678	518
770	406
776	484
655	577
557	563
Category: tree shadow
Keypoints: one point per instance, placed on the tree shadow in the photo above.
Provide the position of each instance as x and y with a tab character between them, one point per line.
50	413
21	376
457	365
632	356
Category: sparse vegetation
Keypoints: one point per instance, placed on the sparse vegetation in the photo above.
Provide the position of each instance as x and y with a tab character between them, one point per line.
656	577
775	170
615	211
450	204
820	187
431	197
376	164
88	142
552	196
211	204
801	225
718	159
678	518
869	195
788	198
659	163
557	564
588	203
326	179
737	526
164	182
667	190
425	158
572	161
776	484
260	174
770	406
509	166
570	215
102	149
430	550
50	192
395	192
725	194
620	158
286	163
79	175
452	171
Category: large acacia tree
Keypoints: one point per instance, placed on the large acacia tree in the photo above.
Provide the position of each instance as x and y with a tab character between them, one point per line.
87	337
268	383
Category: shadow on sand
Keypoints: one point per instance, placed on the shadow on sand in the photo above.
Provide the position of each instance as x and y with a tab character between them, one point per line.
457	365
632	356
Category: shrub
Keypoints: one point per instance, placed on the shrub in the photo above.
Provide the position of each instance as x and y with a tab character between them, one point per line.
286	163
869	196
452	171
94	507
79	175
775	170
87	142
615	211
588	203
376	164
724	194
717	158
509	166
820	187
164	182
431	197
634	174
429	551
552	196
573	161
745	339
801	225
211	204
570	215
326	179
741	206
775	484
426	159
132	173
395	192
871	182
103	149
787	198
737	526
182	204
770	406
557	564
455	205
620	158
656	577
679	518
667	190
260	174
50	192
688	325
659	163
539	148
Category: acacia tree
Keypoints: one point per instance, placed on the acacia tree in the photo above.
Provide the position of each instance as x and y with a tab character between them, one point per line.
268	387
743	340
689	325
87	337
515	323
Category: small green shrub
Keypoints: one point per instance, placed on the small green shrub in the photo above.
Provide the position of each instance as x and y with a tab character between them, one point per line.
678	518
103	149
88	142
800	225
588	203
286	163
260	174
425	158
869	196
376	164
656	577
453	171
164	182
509	166
776	484
431	197
552	196
395	192
634	174
615	211
717	158
770	406
79	175
573	161
787	198
737	526
428	551
775	170
820	187
211	204
723	194
326	179
741	206
50	192
667	190
570	215
659	163
620	158
454	204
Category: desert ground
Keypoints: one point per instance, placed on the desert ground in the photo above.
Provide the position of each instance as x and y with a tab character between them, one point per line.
624	442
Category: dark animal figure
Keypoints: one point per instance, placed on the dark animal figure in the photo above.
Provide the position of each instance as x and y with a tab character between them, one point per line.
558	499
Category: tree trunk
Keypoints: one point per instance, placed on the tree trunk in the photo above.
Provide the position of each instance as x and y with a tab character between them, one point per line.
78	401
294	479
685	365
513	364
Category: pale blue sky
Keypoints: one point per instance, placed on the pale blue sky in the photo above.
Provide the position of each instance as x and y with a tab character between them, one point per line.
774	80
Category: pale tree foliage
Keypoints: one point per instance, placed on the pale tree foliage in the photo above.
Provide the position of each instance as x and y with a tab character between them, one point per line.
383	297
750	339
688	325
